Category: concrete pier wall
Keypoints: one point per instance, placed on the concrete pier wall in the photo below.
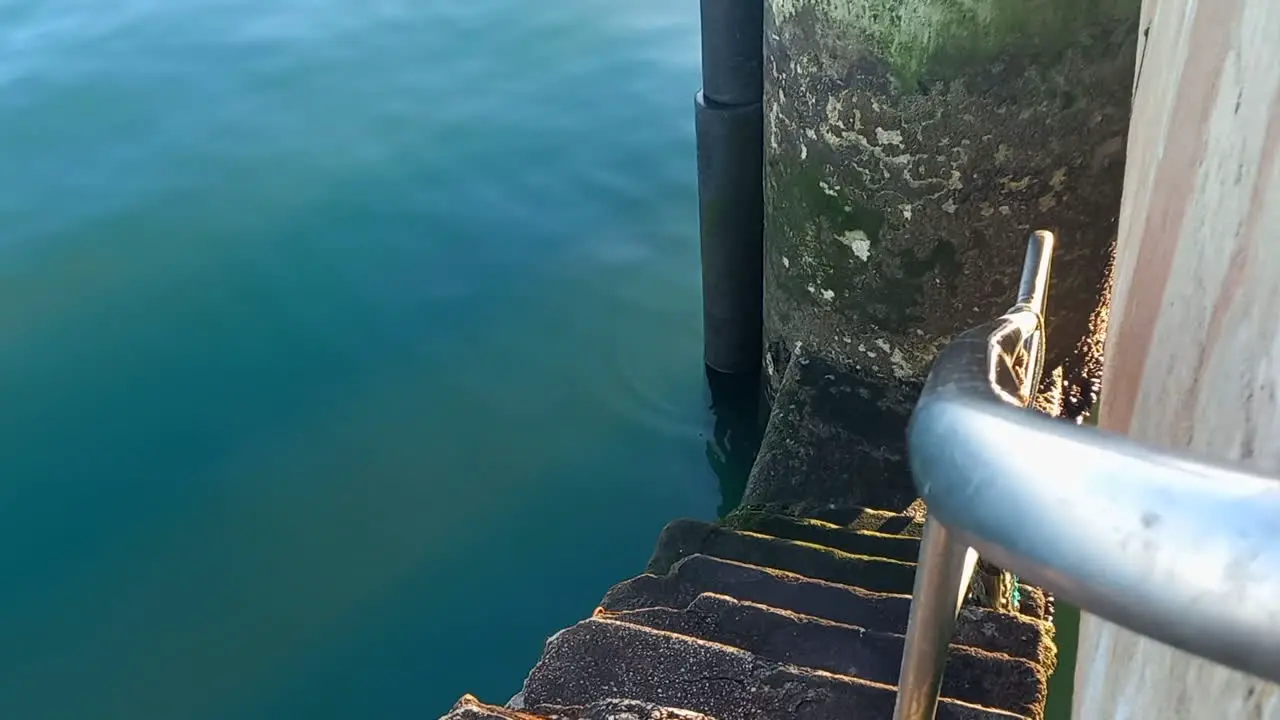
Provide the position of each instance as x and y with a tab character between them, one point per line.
910	146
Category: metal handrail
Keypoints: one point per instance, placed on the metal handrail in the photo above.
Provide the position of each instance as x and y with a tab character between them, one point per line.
1173	547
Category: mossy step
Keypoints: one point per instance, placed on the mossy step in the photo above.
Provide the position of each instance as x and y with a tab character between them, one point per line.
990	630
469	708
598	659
682	538
907	524
817	532
973	676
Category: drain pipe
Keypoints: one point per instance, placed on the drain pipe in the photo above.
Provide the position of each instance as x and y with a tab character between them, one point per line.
730	132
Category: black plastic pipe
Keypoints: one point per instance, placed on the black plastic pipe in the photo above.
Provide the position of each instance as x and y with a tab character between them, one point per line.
729	122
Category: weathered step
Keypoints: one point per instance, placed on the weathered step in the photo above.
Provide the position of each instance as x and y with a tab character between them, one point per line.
1004	633
817	532
909	523
598	659
682	538
469	708
973	676
1035	602
619	710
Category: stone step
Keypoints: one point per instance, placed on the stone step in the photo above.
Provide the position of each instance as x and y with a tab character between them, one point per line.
1035	602
973	676
1004	633
469	708
817	532
599	659
909	524
682	538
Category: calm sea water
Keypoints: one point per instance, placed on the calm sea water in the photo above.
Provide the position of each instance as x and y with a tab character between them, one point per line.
347	349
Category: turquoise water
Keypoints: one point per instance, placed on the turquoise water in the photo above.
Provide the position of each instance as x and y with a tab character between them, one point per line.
347	349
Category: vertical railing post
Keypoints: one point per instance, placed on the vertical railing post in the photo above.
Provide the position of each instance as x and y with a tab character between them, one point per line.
946	566
942	579
729	123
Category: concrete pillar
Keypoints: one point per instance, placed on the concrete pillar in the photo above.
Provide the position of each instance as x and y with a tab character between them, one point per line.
910	147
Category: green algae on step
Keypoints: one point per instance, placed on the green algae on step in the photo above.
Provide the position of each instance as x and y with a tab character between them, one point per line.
877	523
682	538
909	523
817	532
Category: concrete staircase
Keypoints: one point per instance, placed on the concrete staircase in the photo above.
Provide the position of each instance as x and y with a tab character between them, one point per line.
770	616
794	606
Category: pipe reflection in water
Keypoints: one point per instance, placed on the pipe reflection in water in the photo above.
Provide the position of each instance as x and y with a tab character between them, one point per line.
740	412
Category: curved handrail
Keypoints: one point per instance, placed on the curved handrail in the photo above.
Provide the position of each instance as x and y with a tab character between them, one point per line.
1170	546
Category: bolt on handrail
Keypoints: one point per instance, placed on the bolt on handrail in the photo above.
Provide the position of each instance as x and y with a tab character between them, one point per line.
1173	547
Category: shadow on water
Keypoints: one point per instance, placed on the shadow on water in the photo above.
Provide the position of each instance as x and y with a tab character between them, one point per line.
737	405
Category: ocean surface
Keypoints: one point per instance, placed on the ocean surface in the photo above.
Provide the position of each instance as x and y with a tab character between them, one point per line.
347	349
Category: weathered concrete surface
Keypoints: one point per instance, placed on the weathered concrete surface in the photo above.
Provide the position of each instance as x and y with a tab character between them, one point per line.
1005	633
911	145
599	658
832	442
469	708
909	522
860	542
817	532
682	538
973	675
830	451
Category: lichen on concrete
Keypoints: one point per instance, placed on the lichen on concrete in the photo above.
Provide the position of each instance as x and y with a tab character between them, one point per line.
911	146
942	38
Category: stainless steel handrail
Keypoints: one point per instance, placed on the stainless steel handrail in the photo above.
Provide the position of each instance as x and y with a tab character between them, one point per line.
1170	546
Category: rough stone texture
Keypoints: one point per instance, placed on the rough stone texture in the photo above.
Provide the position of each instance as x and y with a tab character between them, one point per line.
1035	602
830	443
1004	633
682	538
822	460
469	708
911	145
598	659
619	710
857	542
973	675
908	523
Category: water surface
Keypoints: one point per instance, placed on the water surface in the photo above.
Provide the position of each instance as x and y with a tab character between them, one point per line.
347	349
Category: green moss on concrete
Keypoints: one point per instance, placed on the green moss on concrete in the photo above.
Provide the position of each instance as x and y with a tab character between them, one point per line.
891	547
683	538
896	214
936	39
802	195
